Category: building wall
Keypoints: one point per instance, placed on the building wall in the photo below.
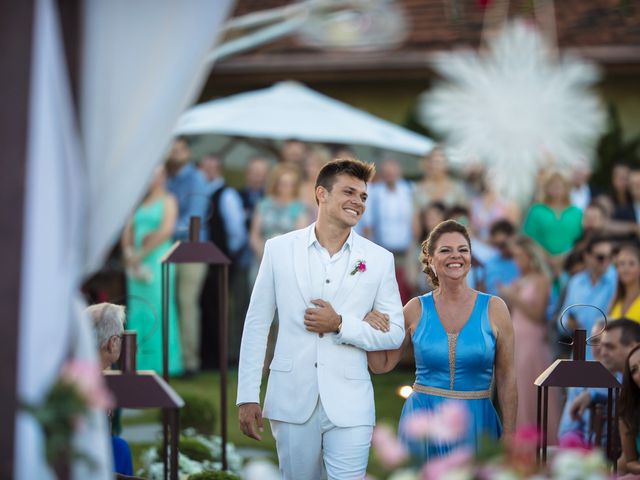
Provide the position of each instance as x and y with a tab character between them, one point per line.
624	92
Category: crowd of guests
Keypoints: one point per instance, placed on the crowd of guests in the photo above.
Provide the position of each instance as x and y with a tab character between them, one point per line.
571	244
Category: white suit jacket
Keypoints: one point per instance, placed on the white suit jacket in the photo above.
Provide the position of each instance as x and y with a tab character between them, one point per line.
305	364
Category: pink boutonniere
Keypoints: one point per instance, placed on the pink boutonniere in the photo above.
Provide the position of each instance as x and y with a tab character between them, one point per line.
361	266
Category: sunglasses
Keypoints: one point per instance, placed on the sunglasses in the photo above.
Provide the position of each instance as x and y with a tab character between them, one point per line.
600	257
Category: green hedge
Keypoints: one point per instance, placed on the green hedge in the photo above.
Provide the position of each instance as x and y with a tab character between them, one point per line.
213	475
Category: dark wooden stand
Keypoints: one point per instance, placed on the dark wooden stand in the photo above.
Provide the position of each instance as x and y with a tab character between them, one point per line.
145	389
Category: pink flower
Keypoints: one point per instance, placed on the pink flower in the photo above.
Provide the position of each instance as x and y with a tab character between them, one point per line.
439	467
447	423
418	424
454	420
527	435
573	440
522	448
360	266
387	447
87	378
484	3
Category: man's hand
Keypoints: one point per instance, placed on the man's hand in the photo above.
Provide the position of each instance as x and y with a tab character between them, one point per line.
321	319
250	416
378	320
580	404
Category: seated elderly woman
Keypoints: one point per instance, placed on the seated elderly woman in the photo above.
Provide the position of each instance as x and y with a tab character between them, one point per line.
108	324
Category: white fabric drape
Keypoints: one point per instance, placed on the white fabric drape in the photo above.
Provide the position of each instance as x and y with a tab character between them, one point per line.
52	245
143	62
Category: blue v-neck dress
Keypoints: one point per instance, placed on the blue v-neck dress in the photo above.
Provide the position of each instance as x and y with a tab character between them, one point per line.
453	367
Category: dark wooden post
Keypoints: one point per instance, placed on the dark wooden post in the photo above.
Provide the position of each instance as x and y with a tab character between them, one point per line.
16	31
195	251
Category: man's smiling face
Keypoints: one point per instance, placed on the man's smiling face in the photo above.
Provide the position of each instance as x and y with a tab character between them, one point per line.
345	202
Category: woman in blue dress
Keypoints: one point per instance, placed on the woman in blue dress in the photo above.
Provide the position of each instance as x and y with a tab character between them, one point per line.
463	345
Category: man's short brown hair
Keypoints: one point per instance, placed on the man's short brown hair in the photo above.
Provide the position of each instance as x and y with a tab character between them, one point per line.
344	166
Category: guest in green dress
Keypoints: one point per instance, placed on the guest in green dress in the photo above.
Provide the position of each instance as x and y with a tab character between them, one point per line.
554	223
145	240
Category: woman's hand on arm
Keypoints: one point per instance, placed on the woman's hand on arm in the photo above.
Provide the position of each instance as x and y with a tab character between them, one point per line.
385	360
505	373
378	320
166	229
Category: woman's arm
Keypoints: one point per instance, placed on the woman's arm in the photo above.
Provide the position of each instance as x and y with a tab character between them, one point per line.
384	361
126	243
416	228
533	308
629	449
255	238
167	226
505	372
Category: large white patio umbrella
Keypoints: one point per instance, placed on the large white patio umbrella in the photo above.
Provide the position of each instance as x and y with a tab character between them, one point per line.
289	110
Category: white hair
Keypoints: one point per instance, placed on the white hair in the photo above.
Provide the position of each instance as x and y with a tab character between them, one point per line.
108	320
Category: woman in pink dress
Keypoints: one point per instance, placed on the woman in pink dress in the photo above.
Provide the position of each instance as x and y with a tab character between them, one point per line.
527	299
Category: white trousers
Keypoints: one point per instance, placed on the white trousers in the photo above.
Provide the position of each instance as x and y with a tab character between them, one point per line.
304	449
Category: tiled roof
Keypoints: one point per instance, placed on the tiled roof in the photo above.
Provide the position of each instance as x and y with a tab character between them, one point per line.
606	30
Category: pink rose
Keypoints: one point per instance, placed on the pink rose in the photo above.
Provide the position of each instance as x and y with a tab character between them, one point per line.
454	419
573	440
527	435
87	378
418	424
447	423
387	447
522	448
439	467
362	267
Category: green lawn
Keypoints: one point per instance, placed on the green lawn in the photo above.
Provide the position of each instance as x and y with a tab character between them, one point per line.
388	406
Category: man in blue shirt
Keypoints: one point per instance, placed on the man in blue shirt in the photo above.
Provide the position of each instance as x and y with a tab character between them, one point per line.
388	218
500	270
618	339
595	285
189	185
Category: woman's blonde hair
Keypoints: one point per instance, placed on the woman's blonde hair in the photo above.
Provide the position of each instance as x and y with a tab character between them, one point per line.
550	177
536	256
277	172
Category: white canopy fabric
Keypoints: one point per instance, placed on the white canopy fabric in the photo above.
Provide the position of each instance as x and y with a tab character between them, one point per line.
138	77
143	64
291	110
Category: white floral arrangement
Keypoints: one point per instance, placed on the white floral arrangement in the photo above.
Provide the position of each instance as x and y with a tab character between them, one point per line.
153	468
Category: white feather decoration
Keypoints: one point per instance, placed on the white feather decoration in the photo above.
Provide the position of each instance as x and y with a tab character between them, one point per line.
513	107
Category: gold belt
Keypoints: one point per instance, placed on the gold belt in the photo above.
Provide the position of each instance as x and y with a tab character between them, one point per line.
441	392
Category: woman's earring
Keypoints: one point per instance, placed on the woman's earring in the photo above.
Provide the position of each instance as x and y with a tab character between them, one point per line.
434	271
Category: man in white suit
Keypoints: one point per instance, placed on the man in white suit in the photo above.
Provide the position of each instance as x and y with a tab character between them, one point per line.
323	280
